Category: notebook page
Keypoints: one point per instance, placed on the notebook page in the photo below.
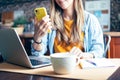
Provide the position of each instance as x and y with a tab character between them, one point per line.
95	63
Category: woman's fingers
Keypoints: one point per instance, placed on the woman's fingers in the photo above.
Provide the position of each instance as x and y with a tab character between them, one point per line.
86	56
41	27
72	50
80	54
75	51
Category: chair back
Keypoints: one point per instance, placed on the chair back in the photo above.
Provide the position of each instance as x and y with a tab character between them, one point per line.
107	40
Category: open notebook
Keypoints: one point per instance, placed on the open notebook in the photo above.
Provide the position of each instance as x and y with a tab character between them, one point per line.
95	63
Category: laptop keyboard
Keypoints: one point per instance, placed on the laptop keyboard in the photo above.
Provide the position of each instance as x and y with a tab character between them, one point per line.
37	62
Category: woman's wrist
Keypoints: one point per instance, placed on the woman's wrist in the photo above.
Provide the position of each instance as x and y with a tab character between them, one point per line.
37	41
37	47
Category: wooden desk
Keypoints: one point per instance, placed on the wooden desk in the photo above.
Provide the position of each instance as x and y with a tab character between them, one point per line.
89	74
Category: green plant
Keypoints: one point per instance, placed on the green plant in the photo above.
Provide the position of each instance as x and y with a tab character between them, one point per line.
20	21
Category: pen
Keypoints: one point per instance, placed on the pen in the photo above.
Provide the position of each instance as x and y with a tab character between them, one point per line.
91	62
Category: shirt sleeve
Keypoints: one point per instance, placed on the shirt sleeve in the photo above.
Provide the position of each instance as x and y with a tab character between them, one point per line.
95	44
44	48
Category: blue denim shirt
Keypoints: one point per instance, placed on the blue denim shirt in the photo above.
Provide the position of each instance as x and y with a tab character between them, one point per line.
93	39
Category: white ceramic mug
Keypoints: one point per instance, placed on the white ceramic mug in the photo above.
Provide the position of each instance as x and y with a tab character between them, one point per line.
64	63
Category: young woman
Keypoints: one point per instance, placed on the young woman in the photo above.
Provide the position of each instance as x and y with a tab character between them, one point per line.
73	30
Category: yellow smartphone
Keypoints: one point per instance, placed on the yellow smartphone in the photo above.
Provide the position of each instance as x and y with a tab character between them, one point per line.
40	13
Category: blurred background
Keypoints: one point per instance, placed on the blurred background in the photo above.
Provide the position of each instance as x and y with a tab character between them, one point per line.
19	14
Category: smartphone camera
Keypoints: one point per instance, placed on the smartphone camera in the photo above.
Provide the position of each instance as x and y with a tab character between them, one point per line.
36	11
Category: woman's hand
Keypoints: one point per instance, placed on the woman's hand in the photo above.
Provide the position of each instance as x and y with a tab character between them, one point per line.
41	28
80	54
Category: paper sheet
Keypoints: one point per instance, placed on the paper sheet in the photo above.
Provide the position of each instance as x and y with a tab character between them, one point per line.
95	63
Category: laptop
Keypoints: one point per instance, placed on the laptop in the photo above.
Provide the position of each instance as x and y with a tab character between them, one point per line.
13	51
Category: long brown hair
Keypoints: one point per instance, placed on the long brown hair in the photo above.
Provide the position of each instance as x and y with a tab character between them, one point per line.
58	21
